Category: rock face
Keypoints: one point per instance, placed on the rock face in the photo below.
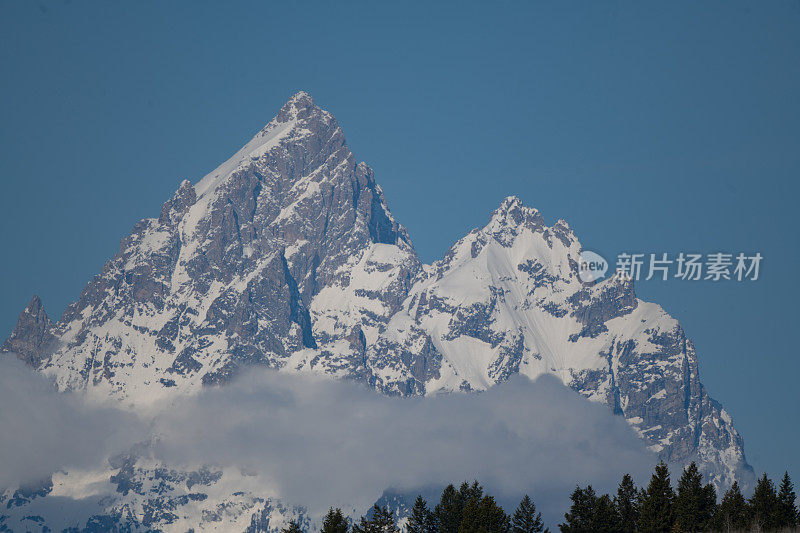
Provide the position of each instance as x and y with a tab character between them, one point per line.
32	337
287	256
230	271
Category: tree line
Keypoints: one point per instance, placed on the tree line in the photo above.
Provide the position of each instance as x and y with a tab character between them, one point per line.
657	508
692	507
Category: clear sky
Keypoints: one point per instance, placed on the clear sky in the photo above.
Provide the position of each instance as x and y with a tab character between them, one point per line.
649	127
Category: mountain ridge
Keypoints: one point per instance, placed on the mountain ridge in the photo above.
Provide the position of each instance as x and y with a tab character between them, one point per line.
287	256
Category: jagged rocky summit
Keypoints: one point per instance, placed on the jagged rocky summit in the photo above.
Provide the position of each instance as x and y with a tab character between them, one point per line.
287	256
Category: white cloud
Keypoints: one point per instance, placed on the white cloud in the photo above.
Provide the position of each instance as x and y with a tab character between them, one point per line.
332	443
328	443
42	431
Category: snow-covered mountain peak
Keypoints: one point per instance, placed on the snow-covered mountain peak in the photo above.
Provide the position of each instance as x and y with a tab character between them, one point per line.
521	232
513	218
513	213
509	202
299	117
287	256
298	105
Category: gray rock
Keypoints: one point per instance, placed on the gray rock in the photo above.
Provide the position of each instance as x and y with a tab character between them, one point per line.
32	338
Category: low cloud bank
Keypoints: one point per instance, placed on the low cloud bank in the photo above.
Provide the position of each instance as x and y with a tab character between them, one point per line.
324	443
329	443
43	431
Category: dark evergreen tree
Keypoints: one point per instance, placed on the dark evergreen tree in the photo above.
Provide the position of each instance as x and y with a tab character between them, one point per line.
334	522
787	508
605	519
590	512
447	512
294	527
469	492
421	519
764	505
483	515
526	519
710	504
581	512
732	513
694	503
626	503
658	501
382	521
467	510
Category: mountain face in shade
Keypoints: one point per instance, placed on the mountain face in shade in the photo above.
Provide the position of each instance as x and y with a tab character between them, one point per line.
287	256
32	337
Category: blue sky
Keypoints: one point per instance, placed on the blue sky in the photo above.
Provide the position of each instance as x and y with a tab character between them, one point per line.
649	127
